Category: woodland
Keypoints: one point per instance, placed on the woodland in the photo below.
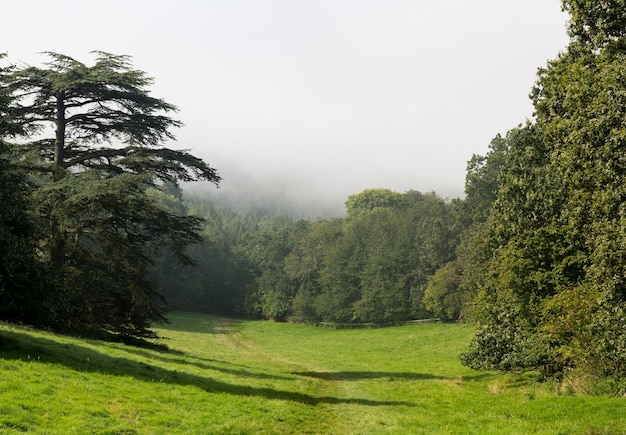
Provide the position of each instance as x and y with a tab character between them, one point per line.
97	237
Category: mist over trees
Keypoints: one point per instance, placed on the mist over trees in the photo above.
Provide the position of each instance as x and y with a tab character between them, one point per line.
371	266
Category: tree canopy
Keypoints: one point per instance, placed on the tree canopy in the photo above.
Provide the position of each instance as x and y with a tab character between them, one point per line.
596	23
91	106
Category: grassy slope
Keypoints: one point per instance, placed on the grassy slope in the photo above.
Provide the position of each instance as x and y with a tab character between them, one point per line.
260	377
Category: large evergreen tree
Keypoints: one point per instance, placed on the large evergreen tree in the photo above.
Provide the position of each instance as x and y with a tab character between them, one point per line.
100	136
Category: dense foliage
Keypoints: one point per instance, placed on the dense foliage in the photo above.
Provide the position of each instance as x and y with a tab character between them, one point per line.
555	289
22	276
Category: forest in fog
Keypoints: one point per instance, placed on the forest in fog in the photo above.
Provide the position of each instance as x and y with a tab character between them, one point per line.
370	266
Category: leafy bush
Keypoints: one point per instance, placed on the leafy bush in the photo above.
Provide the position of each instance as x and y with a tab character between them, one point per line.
507	342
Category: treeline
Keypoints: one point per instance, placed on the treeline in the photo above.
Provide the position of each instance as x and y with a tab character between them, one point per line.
370	266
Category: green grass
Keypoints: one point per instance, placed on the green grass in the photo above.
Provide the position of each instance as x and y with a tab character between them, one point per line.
226	376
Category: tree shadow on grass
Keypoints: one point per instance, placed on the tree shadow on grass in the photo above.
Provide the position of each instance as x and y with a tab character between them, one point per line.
205	364
15	345
201	323
347	376
359	375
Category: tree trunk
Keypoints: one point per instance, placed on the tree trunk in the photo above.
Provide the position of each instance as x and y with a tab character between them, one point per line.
57	243
59	144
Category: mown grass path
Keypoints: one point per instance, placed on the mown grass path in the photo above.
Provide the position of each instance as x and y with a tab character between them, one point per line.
228	376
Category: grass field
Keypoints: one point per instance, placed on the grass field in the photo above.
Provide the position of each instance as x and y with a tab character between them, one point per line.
227	376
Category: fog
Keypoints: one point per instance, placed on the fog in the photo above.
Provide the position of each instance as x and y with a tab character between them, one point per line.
311	101
270	194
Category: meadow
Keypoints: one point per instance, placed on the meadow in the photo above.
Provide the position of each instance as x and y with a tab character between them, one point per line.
251	377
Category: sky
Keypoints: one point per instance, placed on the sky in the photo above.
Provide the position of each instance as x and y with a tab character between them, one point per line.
315	100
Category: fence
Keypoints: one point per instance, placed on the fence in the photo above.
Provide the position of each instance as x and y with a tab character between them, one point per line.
375	325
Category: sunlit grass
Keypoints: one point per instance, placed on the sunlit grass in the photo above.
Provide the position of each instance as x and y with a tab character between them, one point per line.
228	376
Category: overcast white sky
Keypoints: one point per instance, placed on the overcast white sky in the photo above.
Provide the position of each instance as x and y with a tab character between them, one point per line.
318	98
